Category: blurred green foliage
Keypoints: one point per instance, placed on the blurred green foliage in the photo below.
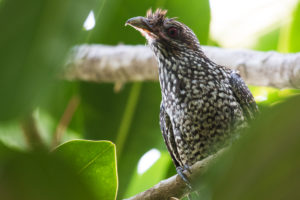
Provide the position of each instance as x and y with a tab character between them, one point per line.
35	38
34	43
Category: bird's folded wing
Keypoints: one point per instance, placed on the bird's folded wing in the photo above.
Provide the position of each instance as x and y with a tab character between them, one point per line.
243	96
167	132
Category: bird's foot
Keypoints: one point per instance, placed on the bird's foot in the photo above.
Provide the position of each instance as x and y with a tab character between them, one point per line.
180	171
187	168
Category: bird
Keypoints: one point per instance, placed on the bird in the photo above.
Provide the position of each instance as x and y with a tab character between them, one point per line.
204	105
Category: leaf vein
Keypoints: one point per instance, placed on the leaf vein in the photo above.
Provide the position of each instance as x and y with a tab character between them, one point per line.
96	157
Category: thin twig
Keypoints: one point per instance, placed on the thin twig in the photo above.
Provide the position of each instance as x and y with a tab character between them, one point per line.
65	120
31	133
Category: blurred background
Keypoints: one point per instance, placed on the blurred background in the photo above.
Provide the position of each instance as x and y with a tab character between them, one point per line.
36	36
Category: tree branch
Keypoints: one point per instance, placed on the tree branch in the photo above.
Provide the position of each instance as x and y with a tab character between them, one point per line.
174	187
123	63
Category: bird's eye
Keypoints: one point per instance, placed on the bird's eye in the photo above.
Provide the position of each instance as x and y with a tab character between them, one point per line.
172	32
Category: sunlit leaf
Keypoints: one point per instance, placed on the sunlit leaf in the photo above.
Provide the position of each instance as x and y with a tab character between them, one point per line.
294	40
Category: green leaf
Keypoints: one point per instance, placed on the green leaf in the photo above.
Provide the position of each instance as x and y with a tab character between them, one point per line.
265	163
96	162
39	175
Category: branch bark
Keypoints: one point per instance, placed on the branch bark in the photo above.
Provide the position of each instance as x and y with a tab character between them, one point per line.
124	63
174	187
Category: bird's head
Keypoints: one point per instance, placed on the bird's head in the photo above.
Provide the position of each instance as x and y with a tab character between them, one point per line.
165	35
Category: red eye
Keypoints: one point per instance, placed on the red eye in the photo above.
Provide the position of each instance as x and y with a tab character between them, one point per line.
173	32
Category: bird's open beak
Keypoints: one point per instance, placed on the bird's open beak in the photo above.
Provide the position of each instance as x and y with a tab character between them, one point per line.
142	25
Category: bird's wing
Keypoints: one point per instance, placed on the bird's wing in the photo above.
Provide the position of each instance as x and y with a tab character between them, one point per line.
243	96
167	132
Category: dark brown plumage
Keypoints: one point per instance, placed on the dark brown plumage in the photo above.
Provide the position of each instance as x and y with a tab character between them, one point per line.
204	105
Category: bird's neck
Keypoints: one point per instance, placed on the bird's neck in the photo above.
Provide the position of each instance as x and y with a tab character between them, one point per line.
183	63
183	68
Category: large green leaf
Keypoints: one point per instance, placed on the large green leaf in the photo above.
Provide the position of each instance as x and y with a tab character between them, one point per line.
96	162
265	163
35	38
36	176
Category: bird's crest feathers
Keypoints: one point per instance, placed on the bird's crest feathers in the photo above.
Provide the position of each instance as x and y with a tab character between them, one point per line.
158	16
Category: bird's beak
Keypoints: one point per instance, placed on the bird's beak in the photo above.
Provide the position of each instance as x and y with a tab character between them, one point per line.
139	23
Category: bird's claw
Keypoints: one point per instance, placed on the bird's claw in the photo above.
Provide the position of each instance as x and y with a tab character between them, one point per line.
183	176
